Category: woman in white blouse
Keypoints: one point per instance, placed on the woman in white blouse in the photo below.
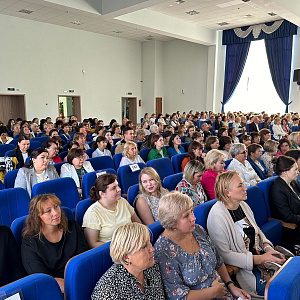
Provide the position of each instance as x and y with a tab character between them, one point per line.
277	130
130	155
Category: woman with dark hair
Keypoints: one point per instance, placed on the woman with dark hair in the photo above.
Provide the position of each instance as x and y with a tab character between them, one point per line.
218	122
285	127
223	131
112	122
283	146
22	151
266	123
10	124
35	171
108	212
232	132
50	239
107	135
175	145
116	131
284	198
53	150
99	146
295	153
194	153
25	131
245	139
254	158
211	142
4	139
265	135
76	167
225	143
158	150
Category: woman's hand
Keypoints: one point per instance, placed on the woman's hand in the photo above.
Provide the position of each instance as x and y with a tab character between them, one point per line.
219	288
268	256
236	292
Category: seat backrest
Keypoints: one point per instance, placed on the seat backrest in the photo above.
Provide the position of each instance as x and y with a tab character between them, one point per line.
133	191
255	200
64	188
128	178
63	154
40	139
163	166
58	166
171	181
81	208
88	180
227	162
35	287
14	203
285	284
201	212
155	231
117	159
144	154
265	186
176	162
89	152
68	213
7	153
35	145
102	162
9	179
185	146
5	147
17	227
83	271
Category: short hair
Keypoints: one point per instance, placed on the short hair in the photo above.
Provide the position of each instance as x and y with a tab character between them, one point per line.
236	148
220	131
209	141
141	132
197	134
23	137
263	132
170	208
73	153
127	239
52	130
98	140
153	174
293	137
282	163
254	135
34	223
101	184
192	167
212	157
126	129
154	139
282	141
34	154
47	144
276	121
253	147
244	138
167	133
294	153
153	127
270	146
113	128
77	135
224	140
223	182
126	147
71	143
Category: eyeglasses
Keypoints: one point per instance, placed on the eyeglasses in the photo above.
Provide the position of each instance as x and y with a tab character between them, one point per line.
244	152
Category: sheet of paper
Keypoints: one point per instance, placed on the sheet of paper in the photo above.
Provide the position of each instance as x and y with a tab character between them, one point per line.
14	297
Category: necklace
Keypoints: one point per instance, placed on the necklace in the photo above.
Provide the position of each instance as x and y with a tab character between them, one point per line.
192	252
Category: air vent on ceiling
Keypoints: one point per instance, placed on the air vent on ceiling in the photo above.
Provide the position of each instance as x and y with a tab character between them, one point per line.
272	14
223	23
25	11
77	22
192	12
179	1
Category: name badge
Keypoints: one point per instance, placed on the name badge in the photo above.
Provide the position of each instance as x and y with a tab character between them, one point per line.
100	173
134	167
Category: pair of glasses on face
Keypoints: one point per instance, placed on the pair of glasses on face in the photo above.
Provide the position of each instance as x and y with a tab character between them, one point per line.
243	152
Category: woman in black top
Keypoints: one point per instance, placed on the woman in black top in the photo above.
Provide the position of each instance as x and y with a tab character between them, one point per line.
22	151
50	239
285	197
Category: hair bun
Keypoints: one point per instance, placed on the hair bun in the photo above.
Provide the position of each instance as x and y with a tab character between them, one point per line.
274	160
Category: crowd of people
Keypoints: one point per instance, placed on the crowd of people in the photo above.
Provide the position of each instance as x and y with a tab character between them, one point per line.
221	161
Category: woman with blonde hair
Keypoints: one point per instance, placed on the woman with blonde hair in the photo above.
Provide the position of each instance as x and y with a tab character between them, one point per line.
190	265
214	163
50	239
232	227
294	138
134	274
270	148
277	130
150	193
130	155
190	183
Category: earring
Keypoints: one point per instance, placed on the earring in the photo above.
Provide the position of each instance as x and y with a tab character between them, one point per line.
127	263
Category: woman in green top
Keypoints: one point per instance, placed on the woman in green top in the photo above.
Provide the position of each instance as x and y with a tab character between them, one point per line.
294	138
158	150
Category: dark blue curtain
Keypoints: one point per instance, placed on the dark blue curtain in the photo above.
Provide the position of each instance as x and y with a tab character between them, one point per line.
236	56
279	52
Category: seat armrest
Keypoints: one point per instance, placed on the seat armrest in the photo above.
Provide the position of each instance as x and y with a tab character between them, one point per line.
284	224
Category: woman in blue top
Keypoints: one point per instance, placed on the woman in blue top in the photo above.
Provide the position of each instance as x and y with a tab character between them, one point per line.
175	145
254	158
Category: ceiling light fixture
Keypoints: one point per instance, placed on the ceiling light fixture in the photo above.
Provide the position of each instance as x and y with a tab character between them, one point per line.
25	11
272	14
192	12
118	32
179	1
77	22
223	23
149	38
246	0
247	16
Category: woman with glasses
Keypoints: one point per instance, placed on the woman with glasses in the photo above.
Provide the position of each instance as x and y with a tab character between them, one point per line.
239	163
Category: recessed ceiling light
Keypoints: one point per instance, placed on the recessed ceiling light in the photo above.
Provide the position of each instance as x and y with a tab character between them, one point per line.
179	1
149	38
192	12
25	11
272	14
223	23
77	22
118	32
246	0
247	16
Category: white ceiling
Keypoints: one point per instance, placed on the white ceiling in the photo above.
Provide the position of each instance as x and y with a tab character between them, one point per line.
210	13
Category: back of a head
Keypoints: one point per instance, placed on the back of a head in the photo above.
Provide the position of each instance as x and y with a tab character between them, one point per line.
282	163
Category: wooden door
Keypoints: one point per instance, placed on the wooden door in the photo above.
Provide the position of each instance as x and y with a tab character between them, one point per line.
129	109
12	107
158	105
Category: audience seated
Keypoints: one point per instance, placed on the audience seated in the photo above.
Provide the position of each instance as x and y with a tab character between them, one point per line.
175	145
150	192
211	142
277	130
270	148
76	167
127	137
130	155
50	239
239	163
233	229
36	170
80	138
194	153
214	163
295	153
100	145
265	135
254	158
52	149
294	138
283	146
225	143
190	183
189	262
22	150
108	212
158	150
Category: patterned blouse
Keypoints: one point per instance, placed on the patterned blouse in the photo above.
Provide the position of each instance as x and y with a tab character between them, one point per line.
266	158
186	188
182	272
118	284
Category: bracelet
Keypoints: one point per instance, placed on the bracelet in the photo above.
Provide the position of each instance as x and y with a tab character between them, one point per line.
228	282
267	247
